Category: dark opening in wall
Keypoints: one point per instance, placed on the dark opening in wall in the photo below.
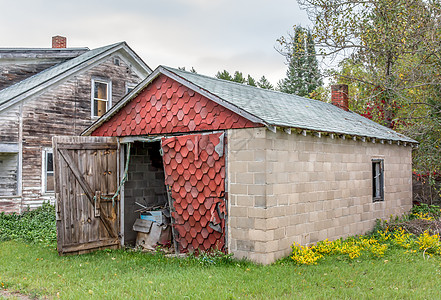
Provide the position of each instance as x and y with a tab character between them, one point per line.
145	187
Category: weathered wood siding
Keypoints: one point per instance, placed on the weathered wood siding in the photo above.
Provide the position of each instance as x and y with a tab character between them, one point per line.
9	125
63	110
12	73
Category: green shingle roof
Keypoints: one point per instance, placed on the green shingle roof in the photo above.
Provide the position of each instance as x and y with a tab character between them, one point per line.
292	111
271	108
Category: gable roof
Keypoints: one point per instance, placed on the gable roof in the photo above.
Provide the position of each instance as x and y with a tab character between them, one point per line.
270	108
52	75
14	55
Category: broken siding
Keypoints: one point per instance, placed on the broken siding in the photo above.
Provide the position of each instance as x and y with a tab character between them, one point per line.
195	176
63	110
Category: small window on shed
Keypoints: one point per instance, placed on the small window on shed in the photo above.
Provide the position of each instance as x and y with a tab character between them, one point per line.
48	171
101	98
377	180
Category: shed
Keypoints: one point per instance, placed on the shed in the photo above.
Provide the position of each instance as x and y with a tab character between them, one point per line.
246	170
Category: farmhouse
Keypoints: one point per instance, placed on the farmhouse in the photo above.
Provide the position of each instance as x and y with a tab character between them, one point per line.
53	91
245	170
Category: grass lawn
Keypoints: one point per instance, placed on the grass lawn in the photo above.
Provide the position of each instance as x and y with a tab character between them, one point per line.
37	270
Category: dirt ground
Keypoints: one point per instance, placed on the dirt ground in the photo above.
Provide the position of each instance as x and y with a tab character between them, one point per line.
4	294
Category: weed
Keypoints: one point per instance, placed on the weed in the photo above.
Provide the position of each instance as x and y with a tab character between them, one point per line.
32	226
211	257
425	212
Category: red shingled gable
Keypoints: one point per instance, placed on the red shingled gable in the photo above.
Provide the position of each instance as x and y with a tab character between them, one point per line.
166	106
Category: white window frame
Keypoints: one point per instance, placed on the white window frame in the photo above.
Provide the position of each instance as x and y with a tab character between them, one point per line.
92	95
130	86
44	170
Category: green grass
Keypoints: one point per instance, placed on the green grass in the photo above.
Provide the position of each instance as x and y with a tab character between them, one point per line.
37	270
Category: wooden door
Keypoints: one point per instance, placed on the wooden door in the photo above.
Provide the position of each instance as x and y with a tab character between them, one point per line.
86	178
194	168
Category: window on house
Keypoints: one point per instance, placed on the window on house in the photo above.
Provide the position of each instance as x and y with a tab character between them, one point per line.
8	173
377	180
101	98
48	172
130	87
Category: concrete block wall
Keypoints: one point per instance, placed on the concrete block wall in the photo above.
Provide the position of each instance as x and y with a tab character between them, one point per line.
285	188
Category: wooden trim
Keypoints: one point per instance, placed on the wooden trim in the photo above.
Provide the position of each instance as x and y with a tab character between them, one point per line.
88	246
88	146
9	147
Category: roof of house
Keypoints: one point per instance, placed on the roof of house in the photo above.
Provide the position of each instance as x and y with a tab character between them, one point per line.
52	75
11	55
268	107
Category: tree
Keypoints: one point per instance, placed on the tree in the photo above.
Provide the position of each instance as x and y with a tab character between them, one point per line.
394	42
388	51
239	78
192	70
251	81
302	76
265	84
225	75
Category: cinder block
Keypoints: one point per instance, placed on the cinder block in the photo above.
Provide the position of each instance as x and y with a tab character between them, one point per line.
237	167
261	235
279	233
259	201
257	212
262	258
247	246
239	211
256	167
238	189
259	178
272	223
244	178
245	223
239	234
260	223
257	189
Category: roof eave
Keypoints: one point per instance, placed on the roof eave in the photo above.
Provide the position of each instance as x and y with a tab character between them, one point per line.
89	63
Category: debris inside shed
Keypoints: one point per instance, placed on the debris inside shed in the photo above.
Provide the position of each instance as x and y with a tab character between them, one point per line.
146	211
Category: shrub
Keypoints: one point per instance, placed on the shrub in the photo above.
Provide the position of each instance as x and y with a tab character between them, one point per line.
425	212
32	226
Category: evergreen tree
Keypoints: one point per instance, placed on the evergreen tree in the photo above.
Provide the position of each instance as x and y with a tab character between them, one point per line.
302	76
192	70
251	81
225	75
265	84
239	78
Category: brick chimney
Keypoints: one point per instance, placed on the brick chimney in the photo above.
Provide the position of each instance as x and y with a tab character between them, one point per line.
59	41
340	96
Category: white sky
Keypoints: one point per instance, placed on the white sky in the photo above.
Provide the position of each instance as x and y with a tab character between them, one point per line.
209	35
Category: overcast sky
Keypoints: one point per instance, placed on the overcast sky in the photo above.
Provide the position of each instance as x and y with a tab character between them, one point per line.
209	35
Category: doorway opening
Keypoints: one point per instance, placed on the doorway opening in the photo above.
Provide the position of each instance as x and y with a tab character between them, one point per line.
144	191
